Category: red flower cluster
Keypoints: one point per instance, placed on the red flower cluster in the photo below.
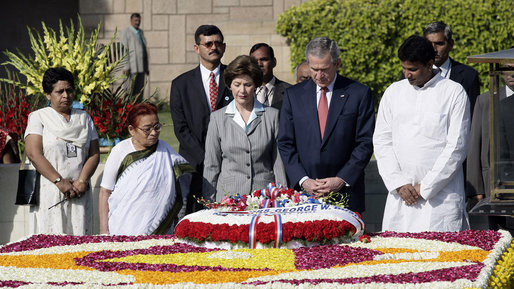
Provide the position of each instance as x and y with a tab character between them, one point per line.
109	117
314	231
14	113
364	238
210	232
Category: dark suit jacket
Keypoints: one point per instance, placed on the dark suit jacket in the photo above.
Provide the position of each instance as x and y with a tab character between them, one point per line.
468	78
190	112
278	93
347	146
478	168
506	153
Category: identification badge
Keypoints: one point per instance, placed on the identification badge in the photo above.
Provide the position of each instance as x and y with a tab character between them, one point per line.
71	150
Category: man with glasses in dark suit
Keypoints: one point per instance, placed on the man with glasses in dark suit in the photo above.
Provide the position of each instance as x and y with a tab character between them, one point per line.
194	95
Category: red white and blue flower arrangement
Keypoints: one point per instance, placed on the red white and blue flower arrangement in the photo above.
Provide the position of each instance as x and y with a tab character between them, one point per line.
271	196
275	217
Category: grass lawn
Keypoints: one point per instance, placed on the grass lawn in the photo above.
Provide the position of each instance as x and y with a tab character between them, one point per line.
167	133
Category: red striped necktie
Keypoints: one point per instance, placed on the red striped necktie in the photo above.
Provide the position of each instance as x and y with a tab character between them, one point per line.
323	111
213	91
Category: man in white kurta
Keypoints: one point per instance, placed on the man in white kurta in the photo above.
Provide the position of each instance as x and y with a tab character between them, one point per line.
420	141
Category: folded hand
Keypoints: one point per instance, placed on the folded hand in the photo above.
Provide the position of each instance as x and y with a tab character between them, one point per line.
327	185
409	194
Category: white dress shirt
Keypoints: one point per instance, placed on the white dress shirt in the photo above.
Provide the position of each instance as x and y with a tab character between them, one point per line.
265	92
508	92
236	116
445	69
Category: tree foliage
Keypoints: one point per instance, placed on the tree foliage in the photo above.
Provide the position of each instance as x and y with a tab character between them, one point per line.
369	32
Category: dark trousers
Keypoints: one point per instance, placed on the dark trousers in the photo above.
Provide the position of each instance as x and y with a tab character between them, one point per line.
195	192
138	85
189	202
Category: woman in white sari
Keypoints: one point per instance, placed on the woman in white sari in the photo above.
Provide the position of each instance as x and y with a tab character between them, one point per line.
144	180
62	144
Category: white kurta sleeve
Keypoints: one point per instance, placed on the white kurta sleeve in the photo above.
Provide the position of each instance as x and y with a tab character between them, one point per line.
91	128
387	162
34	124
113	163
453	154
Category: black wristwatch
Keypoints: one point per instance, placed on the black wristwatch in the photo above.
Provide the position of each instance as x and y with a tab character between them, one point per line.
57	180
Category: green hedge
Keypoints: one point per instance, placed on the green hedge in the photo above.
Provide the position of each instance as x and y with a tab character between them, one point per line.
369	32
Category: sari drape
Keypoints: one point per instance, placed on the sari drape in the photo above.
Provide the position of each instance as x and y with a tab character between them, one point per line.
148	192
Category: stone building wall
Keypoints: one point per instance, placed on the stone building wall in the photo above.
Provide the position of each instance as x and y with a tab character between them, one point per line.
169	27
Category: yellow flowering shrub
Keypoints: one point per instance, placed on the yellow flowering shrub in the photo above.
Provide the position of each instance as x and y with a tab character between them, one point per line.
66	48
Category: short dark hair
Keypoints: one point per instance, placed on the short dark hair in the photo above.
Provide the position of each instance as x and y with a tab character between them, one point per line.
416	49
135	15
436	27
53	75
139	110
243	65
259	45
207	30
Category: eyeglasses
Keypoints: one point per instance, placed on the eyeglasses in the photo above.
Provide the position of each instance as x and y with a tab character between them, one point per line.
157	127
211	43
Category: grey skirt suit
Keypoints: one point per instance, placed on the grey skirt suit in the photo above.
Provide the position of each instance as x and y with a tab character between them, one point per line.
237	161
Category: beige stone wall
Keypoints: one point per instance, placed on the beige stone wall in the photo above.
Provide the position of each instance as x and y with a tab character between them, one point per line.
169	26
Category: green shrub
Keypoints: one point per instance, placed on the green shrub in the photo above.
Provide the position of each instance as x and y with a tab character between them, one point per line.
369	32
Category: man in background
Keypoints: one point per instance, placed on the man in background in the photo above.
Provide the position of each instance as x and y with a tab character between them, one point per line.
272	89
302	72
136	64
478	164
440	35
194	95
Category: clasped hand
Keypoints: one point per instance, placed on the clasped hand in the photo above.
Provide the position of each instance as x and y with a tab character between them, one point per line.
322	187
71	189
409	193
